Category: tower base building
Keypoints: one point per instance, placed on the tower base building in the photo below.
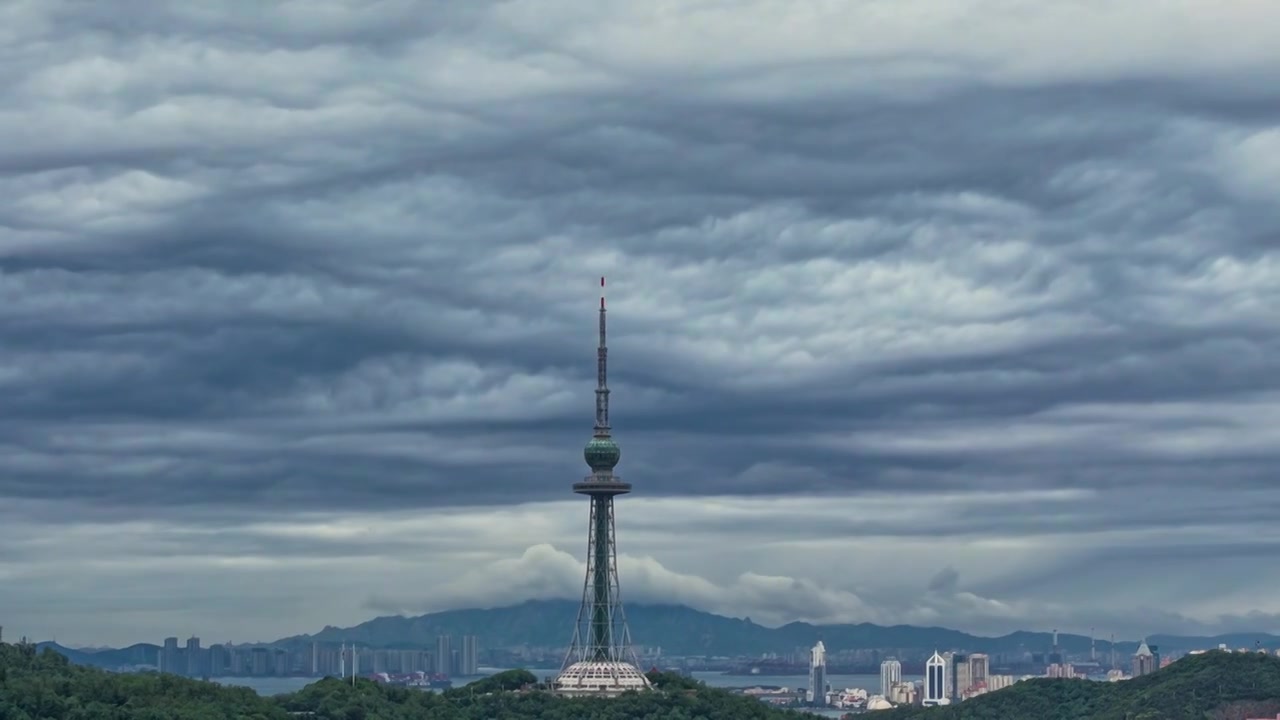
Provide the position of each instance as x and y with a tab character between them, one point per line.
600	678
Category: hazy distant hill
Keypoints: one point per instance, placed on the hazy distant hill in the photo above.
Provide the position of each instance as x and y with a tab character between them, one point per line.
681	630
140	654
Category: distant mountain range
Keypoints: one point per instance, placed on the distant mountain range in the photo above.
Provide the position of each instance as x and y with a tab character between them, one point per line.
678	630
681	630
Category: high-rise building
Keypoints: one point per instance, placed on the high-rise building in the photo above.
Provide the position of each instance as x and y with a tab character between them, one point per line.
935	681
280	664
169	657
979	668
444	656
959	678
903	693
818	675
1144	661
195	664
469	660
219	660
890	675
411	661
999	682
1064	670
601	660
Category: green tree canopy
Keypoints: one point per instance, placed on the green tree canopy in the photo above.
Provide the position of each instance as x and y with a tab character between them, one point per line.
45	686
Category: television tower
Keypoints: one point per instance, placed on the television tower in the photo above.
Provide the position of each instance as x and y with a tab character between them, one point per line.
600	660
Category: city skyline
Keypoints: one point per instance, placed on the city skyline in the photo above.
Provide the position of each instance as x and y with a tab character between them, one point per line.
190	658
952	316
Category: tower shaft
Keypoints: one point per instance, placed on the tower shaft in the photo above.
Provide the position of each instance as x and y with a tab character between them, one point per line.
601	633
602	572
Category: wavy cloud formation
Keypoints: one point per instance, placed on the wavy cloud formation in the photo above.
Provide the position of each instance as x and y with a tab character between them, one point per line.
988	286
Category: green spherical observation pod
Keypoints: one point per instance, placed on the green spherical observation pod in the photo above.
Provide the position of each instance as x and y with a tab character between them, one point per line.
601	454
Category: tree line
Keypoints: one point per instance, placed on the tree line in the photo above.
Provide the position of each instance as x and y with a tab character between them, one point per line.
46	686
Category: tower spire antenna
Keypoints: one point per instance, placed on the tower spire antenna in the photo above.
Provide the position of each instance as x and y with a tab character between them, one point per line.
602	374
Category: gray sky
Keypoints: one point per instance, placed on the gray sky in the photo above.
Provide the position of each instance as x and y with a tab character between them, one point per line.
954	313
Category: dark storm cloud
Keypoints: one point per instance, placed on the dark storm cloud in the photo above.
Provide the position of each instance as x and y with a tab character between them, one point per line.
259	259
234	323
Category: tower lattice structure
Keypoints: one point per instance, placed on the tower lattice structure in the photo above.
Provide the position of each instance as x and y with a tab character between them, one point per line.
601	659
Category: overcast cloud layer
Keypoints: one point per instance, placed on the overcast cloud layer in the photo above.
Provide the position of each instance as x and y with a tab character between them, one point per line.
956	313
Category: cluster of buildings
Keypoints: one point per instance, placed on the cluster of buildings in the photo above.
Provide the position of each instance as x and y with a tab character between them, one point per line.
948	677
451	657
953	677
1223	648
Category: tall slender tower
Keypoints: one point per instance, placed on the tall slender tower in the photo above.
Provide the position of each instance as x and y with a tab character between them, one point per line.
601	661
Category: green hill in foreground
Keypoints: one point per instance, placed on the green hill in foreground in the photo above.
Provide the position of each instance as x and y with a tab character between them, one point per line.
1213	686
45	686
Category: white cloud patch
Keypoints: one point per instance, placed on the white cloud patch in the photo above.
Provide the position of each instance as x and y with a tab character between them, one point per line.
832	561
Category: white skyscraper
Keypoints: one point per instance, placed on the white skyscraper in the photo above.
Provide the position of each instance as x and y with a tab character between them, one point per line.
818	675
935	681
890	675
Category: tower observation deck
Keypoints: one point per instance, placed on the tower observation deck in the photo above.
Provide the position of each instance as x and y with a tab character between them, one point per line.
600	660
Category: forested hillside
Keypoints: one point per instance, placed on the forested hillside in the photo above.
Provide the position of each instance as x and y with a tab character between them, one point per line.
45	686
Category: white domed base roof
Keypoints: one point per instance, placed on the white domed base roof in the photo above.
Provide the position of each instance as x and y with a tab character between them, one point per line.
600	678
